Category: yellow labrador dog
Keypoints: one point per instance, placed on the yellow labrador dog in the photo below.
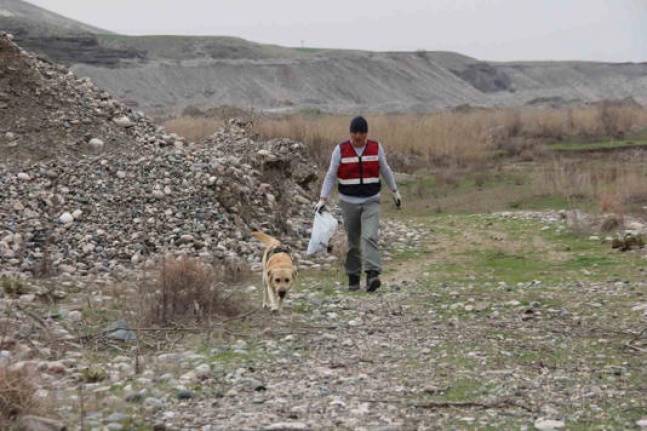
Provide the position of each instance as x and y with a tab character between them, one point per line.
279	272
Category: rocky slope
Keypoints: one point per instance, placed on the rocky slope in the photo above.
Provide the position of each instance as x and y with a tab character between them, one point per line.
87	185
351	81
164	74
18	16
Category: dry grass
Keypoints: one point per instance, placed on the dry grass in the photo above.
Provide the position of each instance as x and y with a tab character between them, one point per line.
612	186
16	395
441	138
187	289
450	144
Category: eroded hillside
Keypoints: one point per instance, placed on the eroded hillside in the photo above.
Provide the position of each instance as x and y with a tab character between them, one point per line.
165	74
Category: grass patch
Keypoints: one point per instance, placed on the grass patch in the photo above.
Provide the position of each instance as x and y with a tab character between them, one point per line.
541	202
474	249
112	36
461	390
592	146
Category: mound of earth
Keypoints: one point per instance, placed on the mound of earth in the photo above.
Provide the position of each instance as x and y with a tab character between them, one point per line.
47	111
89	186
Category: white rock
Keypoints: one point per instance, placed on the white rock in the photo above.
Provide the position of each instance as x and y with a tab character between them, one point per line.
96	144
22	176
67	269
123	121
66	218
548	424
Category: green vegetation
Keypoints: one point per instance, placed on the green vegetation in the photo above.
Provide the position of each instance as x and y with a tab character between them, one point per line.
590	146
113	36
517	251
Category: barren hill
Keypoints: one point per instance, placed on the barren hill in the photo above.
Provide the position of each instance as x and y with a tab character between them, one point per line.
164	74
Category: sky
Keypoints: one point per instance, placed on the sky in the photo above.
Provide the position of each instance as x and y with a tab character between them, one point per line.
490	30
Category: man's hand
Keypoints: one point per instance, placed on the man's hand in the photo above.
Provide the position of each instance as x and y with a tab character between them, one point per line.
397	199
320	206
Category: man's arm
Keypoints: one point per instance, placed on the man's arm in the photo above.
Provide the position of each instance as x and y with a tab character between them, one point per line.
386	171
331	175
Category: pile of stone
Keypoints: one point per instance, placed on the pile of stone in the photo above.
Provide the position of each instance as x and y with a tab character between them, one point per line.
88	186
46	111
102	213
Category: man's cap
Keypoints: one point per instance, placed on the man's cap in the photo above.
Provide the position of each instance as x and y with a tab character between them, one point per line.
358	125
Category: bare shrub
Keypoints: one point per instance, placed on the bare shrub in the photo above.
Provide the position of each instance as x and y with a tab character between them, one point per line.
192	111
551	125
512	122
614	120
420	188
515	147
12	286
481	178
448	177
17	390
186	288
608	201
612	223
608	119
564	178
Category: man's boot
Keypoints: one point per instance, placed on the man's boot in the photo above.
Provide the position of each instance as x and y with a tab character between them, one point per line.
372	281
353	282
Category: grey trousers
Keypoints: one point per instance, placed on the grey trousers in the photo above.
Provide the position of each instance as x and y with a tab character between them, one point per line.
362	224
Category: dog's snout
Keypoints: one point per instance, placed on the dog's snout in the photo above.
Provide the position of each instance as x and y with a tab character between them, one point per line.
282	293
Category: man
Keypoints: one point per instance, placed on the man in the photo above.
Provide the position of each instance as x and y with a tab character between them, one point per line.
357	164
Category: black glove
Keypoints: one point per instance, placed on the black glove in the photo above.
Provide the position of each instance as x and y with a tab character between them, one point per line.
397	199
320	206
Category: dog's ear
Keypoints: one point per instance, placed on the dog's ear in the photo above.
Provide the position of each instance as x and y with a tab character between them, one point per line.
294	275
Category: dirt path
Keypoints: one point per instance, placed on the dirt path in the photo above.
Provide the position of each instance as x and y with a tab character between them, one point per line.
422	355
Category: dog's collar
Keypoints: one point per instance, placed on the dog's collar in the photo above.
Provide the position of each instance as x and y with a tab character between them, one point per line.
279	249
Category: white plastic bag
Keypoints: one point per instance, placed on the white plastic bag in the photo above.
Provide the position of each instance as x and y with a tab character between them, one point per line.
323	229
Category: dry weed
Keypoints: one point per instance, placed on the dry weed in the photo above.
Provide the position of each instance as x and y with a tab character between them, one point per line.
17	390
188	289
432	138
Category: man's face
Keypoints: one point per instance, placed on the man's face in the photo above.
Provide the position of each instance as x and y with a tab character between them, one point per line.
358	138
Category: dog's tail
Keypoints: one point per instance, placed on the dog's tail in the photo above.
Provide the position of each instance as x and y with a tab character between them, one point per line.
266	239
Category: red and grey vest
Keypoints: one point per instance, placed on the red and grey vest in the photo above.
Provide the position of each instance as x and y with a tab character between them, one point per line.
359	175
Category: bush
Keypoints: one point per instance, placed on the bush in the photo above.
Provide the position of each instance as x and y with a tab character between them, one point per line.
185	288
192	111
16	395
